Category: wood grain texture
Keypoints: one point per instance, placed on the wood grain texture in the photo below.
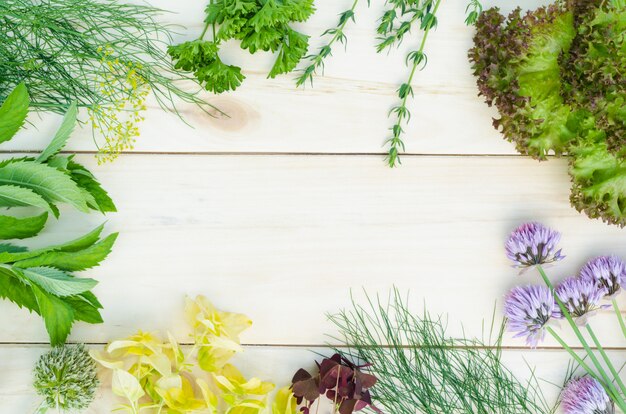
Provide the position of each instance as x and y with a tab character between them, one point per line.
284	239
285	207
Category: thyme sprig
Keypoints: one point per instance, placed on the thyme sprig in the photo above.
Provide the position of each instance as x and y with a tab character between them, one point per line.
417	59
395	24
316	61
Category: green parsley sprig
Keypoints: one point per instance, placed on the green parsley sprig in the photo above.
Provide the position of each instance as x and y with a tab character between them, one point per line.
259	25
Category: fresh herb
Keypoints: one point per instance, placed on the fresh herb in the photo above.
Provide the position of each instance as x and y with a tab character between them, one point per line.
340	381
149	373
398	20
66	378
258	25
585	395
395	24
336	34
556	75
46	180
529	310
104	55
41	280
421	369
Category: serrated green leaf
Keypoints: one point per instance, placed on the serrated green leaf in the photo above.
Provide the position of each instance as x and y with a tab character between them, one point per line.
13	112
21	228
92	299
82	242
57	315
73	261
15	290
62	135
57	282
50	183
11	248
85	180
14	196
75	245
83	310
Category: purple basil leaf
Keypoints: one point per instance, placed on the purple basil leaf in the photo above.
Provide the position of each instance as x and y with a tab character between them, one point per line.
347	406
301	375
307	389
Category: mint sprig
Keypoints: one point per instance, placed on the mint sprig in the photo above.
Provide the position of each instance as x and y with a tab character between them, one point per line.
41	280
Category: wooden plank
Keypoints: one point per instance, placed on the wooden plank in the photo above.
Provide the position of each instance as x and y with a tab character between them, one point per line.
284	239
277	364
346	111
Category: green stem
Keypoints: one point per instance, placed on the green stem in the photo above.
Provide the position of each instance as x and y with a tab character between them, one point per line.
206	28
42	408
607	381
620	318
343	25
574	355
607	361
397	140
317	60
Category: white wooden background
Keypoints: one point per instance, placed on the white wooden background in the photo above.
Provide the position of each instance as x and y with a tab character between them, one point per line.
281	209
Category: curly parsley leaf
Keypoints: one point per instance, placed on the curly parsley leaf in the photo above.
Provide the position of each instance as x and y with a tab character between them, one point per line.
294	47
259	25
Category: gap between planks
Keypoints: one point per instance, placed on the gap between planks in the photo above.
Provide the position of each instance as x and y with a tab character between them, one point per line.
280	153
331	346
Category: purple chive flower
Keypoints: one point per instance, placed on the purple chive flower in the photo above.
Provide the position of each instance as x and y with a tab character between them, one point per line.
528	310
607	272
533	244
585	395
580	297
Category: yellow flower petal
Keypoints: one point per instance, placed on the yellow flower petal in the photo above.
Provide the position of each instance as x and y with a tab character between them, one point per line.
284	402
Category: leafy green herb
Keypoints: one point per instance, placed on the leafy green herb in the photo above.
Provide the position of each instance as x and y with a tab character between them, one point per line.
41	280
104	55
392	30
46	180
259	25
421	369
556	76
397	21
336	34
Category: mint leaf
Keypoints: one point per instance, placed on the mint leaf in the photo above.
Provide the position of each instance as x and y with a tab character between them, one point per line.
85	180
14	196
13	112
57	282
81	242
73	261
15	290
50	183
21	228
83	310
57	315
11	248
62	135
75	245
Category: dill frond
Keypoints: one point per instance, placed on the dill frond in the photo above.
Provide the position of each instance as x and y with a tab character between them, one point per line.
420	369
105	55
